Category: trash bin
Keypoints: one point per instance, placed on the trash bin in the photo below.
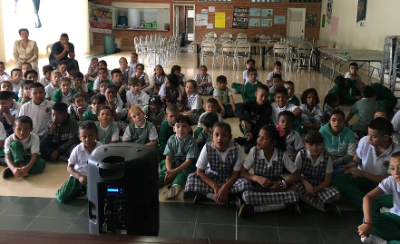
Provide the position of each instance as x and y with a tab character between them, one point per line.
109	44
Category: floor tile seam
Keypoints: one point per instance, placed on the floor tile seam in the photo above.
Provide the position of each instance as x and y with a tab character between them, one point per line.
177	222
46	207
195	224
215	224
10	205
83	209
236	225
316	224
35	216
69	227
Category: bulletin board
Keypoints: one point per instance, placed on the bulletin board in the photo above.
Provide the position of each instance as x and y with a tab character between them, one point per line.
254	12
267	12
240	17
254	22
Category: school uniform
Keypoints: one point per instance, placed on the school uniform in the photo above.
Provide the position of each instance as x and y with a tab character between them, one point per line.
59	96
293	143
396	122
194	101
140	99
328	111
144	79
354	189
96	83
50	89
219	166
224	97
155	119
182	80
246	78
143	135
20	100
270	78
272	170
128	72
3	137
220	119
72	111
387	225
17	87
158	82
14	111
133	66
119	106
22	151
238	87
90	70
276	110
179	150
385	97
172	95
90	115
40	115
204	137
249	91
347	93
108	134
44	81
165	132
63	140
294	100
365	110
73	187
311	117
205	89
314	173
123	93
5	76
348	73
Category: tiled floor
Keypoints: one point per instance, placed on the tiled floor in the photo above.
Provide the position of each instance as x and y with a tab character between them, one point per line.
187	220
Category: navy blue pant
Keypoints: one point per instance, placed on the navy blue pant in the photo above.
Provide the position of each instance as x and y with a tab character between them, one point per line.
55	63
46	149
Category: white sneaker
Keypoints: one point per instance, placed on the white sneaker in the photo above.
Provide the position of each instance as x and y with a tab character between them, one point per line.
384	210
373	240
172	192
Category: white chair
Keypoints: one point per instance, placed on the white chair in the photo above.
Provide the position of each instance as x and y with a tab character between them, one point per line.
243	50
304	52
208	39
241	37
227	51
208	49
281	51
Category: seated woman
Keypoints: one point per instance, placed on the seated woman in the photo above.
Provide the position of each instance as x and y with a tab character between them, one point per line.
25	51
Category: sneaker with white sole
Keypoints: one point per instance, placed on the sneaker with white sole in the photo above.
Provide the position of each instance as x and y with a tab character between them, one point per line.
373	240
246	210
7	173
172	192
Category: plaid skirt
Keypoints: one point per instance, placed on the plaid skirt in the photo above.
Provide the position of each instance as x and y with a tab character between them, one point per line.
321	197
195	184
205	90
261	195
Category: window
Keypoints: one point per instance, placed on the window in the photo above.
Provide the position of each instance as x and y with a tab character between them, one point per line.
190	14
305	1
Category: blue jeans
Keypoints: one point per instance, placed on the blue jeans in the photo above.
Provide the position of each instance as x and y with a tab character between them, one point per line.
55	63
46	149
228	110
316	119
8	128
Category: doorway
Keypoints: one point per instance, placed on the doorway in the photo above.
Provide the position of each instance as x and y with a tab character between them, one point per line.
296	23
184	22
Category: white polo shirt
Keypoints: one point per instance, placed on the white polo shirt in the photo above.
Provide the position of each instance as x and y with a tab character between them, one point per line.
372	163
44	81
50	89
153	136
391	186
66	98
202	161
3	133
246	78
14	111
293	143
79	158
396	122
271	75
140	99
315	111
276	110
40	115
249	162
31	144
299	161
197	101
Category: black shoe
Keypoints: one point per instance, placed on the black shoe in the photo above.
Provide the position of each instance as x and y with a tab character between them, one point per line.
246	210
234	202
294	208
247	147
199	198
240	140
7	173
332	208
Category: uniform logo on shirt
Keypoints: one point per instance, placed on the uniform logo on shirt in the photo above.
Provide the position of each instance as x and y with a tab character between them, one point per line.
64	137
385	164
47	110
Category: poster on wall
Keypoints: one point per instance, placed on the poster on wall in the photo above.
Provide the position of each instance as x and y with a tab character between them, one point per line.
100	18
266	22
240	17
334	26
329	11
267	12
311	19
279	19
255	12
361	12
219	20
254	22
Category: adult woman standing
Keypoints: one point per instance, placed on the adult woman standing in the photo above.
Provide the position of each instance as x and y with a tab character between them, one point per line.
25	50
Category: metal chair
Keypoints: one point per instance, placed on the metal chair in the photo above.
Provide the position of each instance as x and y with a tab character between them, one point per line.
281	51
304	52
208	39
243	50
228	50
241	37
208	49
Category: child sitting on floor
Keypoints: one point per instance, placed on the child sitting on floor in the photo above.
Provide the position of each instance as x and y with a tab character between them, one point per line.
315	164
80	85
253	115
204	82
115	102
207	123
250	88
108	130
46	79
53	86
78	107
126	71
218	169
158	79
277	70
16	78
9	110
365	110
331	103
101	75
176	69
3	136
290	89
61	135
3	74
237	87
171	91
352	74
77	163
62	67
191	102
96	102
116	79
134	61
292	138
224	97
339	141
135	96
346	89
140	130
378	227
7	86
167	127
311	117
181	154
276	82
92	69
22	150
26	84
143	78
154	111
65	93
266	189
71	73
281	105
210	107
